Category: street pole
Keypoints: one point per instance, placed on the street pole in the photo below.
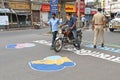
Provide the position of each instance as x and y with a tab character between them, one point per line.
79	13
3	4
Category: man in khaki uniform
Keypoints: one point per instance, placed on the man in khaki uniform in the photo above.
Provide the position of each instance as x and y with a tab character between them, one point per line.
98	23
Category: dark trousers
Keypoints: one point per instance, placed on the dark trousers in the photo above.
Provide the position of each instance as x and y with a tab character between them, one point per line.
83	24
54	37
74	32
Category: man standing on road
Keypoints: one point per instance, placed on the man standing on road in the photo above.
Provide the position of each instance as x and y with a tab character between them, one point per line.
98	23
53	23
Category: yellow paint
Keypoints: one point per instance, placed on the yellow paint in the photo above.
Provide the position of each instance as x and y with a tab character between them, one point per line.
48	61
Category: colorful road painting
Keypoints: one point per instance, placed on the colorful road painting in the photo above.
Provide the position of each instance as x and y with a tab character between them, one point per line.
52	63
19	45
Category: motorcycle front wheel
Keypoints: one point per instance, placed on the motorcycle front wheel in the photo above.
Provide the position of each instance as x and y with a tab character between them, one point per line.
58	45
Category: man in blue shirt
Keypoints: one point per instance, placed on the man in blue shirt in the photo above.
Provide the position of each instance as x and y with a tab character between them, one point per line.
71	22
54	23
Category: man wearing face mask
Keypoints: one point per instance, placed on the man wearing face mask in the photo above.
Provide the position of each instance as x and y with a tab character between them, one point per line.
53	23
71	22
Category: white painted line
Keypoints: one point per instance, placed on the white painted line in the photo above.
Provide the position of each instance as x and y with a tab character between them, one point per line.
86	52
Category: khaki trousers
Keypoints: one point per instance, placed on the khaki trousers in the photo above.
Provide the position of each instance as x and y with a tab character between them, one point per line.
99	30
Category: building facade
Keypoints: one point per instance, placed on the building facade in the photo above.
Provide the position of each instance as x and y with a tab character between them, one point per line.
112	5
20	12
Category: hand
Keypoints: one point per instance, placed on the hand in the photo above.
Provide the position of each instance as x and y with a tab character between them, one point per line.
71	28
106	29
60	26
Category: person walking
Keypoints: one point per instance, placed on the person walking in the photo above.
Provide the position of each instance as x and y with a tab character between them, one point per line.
98	24
53	23
83	20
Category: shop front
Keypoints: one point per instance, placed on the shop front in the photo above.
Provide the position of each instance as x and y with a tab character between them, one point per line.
12	17
36	12
23	12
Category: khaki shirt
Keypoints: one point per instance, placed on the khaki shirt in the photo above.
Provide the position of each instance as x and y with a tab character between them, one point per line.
98	19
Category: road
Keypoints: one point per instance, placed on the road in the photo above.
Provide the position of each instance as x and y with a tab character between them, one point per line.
16	62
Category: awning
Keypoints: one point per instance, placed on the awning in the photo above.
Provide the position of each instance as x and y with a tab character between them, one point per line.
6	10
23	12
68	0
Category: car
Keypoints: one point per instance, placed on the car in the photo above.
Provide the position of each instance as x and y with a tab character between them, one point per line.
114	24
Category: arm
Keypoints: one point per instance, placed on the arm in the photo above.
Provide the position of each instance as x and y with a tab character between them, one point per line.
104	22
47	23
63	24
93	23
74	23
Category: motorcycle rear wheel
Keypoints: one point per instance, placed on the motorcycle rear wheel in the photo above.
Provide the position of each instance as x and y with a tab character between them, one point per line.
58	45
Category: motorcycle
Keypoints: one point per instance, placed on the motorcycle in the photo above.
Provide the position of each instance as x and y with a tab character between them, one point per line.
66	37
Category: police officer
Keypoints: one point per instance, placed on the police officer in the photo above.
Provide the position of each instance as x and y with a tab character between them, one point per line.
98	23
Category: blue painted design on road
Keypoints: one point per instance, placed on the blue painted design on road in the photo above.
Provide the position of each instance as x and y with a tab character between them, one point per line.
20	45
104	48
52	63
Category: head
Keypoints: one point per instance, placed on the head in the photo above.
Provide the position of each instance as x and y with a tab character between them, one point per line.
68	15
53	15
99	9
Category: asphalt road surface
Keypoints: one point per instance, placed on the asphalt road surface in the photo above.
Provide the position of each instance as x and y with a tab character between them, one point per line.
20	51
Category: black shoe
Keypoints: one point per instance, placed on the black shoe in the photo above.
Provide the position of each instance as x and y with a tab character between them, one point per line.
94	46
102	45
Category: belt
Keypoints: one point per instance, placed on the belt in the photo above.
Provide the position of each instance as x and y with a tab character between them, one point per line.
98	24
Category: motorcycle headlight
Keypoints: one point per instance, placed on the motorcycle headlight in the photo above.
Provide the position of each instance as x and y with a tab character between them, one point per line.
60	31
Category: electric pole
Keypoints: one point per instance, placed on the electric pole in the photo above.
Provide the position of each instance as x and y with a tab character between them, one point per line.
78	1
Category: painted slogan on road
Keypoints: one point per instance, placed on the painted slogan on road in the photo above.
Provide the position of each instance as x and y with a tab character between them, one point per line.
87	52
19	45
104	48
52	63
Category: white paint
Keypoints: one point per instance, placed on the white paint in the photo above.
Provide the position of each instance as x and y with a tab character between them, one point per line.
86	52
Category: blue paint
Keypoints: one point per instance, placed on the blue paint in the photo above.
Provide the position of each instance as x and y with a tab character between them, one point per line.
104	48
11	46
51	67
20	45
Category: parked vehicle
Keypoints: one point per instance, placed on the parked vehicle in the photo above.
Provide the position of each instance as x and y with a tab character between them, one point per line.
114	24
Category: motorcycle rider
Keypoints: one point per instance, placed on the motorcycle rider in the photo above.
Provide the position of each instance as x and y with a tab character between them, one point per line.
71	22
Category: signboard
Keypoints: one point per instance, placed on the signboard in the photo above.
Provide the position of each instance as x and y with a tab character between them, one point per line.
70	8
87	10
45	7
4	20
14	5
93	11
54	6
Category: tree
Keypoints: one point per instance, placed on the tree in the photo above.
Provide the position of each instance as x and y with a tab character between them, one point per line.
96	2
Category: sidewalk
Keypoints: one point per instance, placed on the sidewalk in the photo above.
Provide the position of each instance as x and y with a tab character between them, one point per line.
20	28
